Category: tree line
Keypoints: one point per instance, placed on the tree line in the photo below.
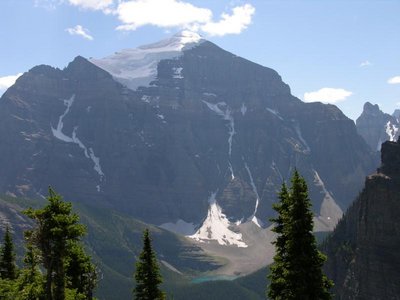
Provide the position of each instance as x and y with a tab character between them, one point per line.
56	266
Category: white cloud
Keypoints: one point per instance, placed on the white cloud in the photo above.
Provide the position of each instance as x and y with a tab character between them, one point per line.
394	80
366	63
398	103
79	30
165	13
327	95
92	4
7	81
231	24
176	13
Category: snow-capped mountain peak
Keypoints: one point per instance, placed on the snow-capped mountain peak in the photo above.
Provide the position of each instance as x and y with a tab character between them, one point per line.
138	67
180	41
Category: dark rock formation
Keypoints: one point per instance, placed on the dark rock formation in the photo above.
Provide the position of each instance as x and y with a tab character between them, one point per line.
396	114
363	251
223	124
376	127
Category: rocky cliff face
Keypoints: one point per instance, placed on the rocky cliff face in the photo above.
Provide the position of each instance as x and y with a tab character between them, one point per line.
396	114
363	251
201	139
376	127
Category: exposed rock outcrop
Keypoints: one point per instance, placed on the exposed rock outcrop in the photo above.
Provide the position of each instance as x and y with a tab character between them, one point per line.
363	251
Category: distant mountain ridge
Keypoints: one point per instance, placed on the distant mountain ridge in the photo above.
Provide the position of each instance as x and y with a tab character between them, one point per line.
200	147
376	127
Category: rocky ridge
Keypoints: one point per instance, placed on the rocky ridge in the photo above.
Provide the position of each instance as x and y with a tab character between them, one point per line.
376	127
363	250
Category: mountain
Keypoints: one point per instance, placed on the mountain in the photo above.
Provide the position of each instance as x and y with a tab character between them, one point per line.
363	250
180	134
376	127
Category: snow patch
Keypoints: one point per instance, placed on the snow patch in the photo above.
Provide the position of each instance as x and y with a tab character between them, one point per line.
253	217
146	98
217	227
256	221
224	111
180	227
57	133
303	141
96	162
391	131
89	153
209	94
231	169
274	112
177	73
243	109
138	67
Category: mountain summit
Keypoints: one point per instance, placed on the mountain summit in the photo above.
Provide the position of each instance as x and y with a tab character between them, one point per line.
138	67
376	127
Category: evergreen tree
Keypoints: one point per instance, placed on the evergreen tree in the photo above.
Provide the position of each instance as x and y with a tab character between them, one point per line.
277	270
8	268
80	271
56	227
147	274
31	281
297	269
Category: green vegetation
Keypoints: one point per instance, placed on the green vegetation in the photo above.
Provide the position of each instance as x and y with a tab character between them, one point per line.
297	269
114	240
53	245
147	274
8	268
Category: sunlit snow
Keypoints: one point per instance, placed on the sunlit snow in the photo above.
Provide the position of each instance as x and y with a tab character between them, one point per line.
138	67
57	133
217	227
231	170
391	131
253	217
274	112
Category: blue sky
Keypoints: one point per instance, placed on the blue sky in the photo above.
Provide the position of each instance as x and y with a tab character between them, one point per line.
342	52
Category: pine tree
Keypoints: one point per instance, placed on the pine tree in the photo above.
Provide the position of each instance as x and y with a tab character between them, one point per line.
56	227
80	271
8	268
297	269
147	274
31	281
277	270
